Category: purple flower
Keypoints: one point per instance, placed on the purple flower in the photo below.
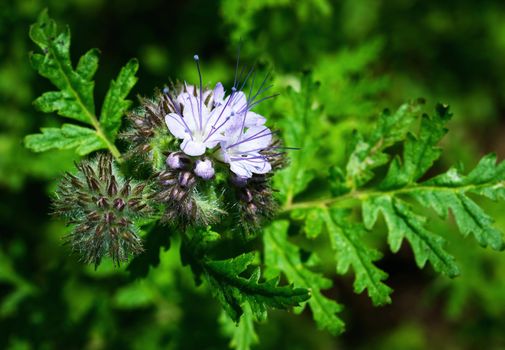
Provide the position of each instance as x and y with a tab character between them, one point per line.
242	150
195	124
204	119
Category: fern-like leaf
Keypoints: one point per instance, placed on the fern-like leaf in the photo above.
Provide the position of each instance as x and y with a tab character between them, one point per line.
233	290
283	256
74	98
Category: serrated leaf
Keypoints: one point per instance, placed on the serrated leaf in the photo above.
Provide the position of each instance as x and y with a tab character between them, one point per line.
156	240
420	151
450	191
232	290
283	256
69	136
367	154
403	223
115	104
88	64
312	221
299	129
75	98
351	251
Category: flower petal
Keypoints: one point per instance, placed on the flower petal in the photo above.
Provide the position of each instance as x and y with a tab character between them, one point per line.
176	126
193	148
254	119
254	139
262	168
240	170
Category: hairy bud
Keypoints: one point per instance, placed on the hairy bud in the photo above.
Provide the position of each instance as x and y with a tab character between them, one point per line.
101	205
184	203
148	135
255	200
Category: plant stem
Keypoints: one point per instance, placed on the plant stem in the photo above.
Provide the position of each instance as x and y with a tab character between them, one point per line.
367	193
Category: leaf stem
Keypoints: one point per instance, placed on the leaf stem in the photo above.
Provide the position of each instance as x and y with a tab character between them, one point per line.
110	145
367	193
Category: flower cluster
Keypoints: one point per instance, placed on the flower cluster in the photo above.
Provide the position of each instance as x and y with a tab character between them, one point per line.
199	156
225	126
103	207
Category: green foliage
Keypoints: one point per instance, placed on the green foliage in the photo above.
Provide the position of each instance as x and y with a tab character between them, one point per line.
242	334
301	125
346	240
368	154
361	185
233	290
441	192
75	99
283	256
333	205
241	15
69	136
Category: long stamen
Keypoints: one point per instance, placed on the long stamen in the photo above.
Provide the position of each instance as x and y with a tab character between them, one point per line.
236	66
271	148
247	107
253	137
214	129
250	103
247	77
260	90
245	114
197	60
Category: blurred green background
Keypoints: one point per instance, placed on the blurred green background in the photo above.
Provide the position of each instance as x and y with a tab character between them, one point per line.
367	54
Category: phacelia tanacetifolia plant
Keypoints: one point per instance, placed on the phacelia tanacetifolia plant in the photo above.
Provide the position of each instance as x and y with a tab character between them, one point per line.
198	165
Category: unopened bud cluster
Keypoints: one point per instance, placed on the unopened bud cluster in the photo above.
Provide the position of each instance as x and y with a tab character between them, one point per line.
184	201
102	206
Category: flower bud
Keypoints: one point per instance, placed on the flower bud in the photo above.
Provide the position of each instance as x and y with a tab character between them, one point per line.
177	160
101	205
255	200
204	169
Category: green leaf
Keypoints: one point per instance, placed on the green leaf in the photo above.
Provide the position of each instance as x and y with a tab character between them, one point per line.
243	336
420	152
402	223
75	98
283	256
88	64
155	242
233	290
367	154
302	122
115	104
450	191
350	250
69	136
313	224
443	192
